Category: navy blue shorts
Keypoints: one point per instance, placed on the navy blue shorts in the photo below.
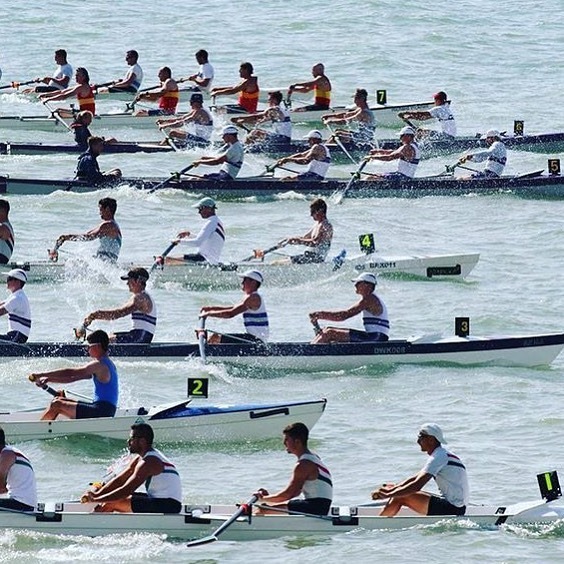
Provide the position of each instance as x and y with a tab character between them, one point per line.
309	176
93	410
239	338
160	113
9	503
440	506
356	336
314	506
142	503
194	257
14	337
308	257
134	336
221	175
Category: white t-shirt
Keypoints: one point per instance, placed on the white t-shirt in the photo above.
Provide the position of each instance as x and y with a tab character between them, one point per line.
137	71
209	240
445	118
19	312
60	71
206	71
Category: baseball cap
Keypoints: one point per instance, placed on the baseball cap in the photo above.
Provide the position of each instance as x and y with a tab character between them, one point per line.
205	203
440	96
138	273
433	430
407	131
366	277
314	134
253	275
196	97
490	133
229	130
17	273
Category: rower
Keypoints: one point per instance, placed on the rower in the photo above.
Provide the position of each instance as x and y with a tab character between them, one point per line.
276	116
230	158
82	90
107	232
321	87
255	317
317	157
134	77
60	79
103	373
88	168
362	115
199	118
248	90
17	308
407	155
495	156
441	112
80	128
7	238
204	77
374	316
318	238
167	95
311	479
447	470
141	307
208	242
17	478
151	468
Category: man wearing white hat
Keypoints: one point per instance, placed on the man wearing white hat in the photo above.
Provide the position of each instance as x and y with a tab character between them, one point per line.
230	158
255	317
495	156
317	157
374	316
447	470
17	308
208	242
407	155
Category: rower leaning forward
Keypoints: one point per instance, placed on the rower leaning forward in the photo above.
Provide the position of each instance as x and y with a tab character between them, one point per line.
317	157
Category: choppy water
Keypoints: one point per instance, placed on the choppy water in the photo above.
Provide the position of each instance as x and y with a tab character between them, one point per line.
498	61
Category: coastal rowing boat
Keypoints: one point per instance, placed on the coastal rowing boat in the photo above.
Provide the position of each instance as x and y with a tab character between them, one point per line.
119	147
530	185
175	422
511	350
199	276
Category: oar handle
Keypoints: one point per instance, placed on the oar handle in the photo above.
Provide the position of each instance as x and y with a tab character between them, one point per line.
46	387
316	327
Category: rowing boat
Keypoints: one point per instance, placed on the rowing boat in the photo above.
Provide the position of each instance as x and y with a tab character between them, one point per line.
119	147
175	422
530	185
221	276
511	350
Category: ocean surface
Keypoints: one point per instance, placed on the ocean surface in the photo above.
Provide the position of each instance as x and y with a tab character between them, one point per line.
498	61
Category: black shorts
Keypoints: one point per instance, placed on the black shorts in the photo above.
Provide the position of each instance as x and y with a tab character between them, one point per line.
134	336
131	89
312	108
14	337
9	503
308	257
142	503
194	257
160	112
315	506
440	506
222	176
92	410
239	339
356	336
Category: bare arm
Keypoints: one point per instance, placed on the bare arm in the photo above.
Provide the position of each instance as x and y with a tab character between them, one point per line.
304	470
7	459
250	302
68	375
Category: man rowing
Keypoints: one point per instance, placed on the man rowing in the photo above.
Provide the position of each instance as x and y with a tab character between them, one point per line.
107	232
362	116
103	373
321	87
408	155
318	238
134	77
317	157
208	242
444	467
252	308
230	158
199	119
495	156
16	306
311	479
167	95
275	116
7	237
83	92
140	306
80	128
441	112
17	479
88	168
60	78
204	77
150	468
374	316
248	90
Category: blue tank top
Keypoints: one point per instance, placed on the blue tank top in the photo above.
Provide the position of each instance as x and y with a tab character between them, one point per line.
107	392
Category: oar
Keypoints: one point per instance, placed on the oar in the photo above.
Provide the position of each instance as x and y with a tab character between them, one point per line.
340	144
409	122
46	387
16	85
202	338
174	176
316	327
265	252
166	252
170	140
54	114
341	196
243	509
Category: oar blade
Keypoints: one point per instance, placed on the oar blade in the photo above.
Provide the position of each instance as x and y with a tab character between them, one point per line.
200	542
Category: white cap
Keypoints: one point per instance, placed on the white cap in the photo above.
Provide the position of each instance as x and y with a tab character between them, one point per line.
17	273
407	130
253	275
366	277
205	203
491	133
433	430
229	130
314	134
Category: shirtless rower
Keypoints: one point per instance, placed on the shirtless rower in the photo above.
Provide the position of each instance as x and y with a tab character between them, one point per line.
83	92
167	95
248	90
60	79
441	112
317	157
321	87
